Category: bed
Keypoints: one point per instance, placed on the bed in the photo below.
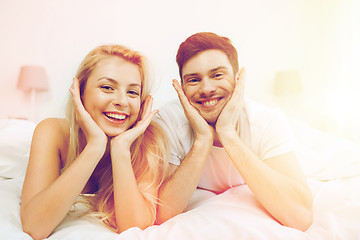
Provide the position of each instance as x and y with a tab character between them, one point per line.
331	164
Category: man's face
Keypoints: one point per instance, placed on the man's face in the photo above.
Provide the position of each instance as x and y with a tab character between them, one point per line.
208	83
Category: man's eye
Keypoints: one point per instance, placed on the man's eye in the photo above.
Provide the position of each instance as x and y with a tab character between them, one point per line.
218	75
192	80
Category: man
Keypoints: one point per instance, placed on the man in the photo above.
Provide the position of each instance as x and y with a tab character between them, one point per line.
225	140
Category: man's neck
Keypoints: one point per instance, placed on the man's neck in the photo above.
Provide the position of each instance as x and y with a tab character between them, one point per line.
216	141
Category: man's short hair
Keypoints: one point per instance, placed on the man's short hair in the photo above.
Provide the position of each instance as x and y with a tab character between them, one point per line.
205	41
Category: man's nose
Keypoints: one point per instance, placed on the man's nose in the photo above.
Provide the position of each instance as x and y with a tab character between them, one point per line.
206	87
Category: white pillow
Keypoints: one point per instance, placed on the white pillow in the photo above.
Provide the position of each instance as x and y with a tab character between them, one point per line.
324	156
15	141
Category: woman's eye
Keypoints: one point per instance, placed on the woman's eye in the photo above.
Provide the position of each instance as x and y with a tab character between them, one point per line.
134	93
107	88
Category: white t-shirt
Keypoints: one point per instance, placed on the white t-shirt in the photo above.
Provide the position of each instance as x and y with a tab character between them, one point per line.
265	131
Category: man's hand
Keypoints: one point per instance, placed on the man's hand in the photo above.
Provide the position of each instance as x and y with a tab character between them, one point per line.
201	128
230	115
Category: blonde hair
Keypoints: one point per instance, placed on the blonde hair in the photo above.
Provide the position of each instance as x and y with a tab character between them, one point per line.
148	152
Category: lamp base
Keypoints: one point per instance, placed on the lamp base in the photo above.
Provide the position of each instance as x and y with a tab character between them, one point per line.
33	113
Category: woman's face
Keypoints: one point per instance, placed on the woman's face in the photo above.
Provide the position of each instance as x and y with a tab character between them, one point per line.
112	95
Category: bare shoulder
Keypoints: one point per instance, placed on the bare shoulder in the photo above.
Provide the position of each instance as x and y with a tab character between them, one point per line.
53	132
54	126
45	160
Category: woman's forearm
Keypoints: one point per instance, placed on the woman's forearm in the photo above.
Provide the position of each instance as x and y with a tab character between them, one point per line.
131	207
44	211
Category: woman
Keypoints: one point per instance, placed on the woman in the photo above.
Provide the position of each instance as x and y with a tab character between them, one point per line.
108	147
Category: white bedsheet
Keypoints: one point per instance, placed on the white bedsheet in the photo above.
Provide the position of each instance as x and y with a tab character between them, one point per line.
235	214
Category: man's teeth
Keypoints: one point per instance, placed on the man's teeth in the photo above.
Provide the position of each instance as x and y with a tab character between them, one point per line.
116	116
210	103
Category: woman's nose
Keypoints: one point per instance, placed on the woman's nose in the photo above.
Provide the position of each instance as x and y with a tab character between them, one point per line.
120	99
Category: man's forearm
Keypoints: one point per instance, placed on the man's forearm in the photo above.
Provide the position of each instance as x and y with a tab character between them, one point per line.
176	192
276	183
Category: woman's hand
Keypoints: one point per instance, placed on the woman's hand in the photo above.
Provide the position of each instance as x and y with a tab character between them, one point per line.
202	129
93	133
230	115
128	137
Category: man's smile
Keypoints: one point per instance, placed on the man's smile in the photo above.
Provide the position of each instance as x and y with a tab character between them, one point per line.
208	103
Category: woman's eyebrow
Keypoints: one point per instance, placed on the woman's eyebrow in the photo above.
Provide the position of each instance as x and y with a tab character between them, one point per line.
135	85
108	79
116	82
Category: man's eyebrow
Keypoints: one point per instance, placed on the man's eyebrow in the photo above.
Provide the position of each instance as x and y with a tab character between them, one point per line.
210	71
190	75
218	68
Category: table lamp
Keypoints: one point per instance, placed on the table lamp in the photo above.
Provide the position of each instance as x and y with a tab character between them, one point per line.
287	83
287	90
32	79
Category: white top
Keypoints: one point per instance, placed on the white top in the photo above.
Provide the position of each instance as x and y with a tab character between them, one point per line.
266	133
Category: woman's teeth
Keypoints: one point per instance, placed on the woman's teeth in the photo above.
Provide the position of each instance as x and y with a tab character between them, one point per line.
116	116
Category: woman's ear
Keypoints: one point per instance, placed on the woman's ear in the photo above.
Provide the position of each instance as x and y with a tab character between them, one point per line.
241	75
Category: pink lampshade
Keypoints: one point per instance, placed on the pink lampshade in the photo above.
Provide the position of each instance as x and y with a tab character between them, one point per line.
32	78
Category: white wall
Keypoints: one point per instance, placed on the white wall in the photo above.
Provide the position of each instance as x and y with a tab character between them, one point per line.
270	36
